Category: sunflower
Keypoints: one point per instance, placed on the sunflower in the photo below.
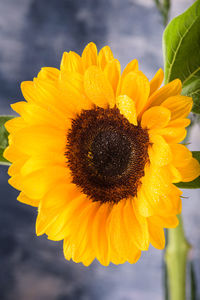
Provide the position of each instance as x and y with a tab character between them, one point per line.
97	151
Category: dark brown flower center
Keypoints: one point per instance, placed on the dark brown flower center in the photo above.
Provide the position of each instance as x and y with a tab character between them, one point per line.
106	154
110	152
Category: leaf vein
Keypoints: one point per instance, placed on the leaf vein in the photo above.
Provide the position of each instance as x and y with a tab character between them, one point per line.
191	74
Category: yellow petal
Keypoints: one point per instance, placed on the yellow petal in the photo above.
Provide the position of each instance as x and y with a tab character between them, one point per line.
118	234
104	57
18	106
175	197
68	248
37	183
174	173
157	236
60	197
144	227
57	220
171	89
72	86
88	258
15	124
131	67
134	255
47	73
116	258
71	62
181	155
166	221
122	246
45	94
43	222
160	152
40	139
16	166
52	98
98	88
173	134
156	190
89	56
56	230
127	108
156	81
16	181
36	163
136	226
12	153
136	86
73	206
181	123
156	117
33	114
29	91
112	72
143	205
100	238
24	199
180	106
80	233
190	171
63	199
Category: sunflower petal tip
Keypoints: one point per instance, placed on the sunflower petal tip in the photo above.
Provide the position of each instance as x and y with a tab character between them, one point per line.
178	82
24	84
38	229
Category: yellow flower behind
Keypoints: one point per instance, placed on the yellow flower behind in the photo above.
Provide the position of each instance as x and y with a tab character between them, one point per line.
97	151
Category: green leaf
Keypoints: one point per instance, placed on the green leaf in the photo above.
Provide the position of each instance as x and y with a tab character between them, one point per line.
181	46
195	184
3	138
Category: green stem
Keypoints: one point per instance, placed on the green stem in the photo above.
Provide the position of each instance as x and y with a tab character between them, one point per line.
176	261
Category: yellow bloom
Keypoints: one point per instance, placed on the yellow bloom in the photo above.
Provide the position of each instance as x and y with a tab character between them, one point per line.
98	153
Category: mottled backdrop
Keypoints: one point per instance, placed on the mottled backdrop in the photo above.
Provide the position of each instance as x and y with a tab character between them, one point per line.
34	33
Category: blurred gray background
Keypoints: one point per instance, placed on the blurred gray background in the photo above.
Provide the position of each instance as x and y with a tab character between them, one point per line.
33	34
